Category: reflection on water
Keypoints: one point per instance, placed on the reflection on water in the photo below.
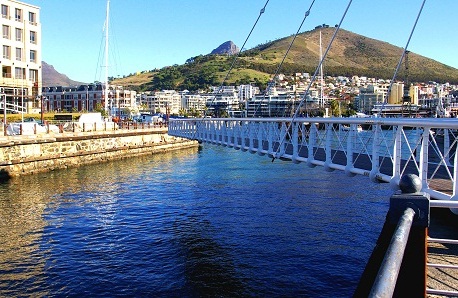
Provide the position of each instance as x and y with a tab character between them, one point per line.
196	222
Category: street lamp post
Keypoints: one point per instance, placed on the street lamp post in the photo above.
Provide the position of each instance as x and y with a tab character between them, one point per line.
43	98
4	110
87	98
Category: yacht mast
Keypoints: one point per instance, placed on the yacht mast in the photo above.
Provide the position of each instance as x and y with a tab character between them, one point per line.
106	57
321	76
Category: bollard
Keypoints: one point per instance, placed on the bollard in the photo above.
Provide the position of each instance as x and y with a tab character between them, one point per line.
408	214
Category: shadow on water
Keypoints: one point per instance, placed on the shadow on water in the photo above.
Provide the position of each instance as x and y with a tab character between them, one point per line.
209	269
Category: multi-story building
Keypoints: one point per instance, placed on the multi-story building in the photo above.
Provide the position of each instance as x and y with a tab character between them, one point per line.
247	91
193	104
368	97
165	102
89	98
278	105
21	76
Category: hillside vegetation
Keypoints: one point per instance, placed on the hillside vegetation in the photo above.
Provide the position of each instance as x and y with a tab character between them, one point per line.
350	54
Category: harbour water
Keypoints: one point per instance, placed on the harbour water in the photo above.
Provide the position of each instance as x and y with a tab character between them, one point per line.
200	222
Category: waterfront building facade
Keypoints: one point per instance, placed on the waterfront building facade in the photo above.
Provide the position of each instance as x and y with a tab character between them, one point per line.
165	102
193	104
21	77
368	97
90	98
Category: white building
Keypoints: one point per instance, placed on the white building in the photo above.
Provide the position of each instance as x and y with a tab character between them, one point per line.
21	77
193	103
246	92
165	102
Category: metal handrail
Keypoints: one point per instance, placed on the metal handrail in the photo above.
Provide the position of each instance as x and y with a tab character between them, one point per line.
385	282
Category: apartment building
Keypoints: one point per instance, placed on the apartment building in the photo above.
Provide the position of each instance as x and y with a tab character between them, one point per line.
21	77
165	102
121	102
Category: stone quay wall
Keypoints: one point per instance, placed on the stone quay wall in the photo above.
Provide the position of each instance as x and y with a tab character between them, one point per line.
22	155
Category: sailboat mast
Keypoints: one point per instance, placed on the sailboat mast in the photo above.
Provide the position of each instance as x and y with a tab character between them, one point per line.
321	76
106	56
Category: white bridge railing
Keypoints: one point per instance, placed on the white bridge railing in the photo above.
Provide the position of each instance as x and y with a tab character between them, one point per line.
382	148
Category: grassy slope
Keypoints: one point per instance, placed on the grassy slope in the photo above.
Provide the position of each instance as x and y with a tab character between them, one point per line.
350	54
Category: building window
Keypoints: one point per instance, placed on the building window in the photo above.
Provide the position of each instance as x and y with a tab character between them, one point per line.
6	52
33	75
18	54
6	31
33	56
32	18
33	37
5	11
18	15
18	34
19	72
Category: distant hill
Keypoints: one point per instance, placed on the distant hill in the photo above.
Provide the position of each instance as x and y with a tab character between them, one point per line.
350	54
52	77
227	48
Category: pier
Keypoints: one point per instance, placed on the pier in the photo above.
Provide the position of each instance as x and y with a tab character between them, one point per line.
42	152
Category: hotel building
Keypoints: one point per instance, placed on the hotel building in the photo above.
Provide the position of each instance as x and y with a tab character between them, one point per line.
21	76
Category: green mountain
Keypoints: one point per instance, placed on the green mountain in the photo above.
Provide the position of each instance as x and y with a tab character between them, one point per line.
350	54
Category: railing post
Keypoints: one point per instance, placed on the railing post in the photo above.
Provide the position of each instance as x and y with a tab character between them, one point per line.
295	141
251	136
423	164
455	181
447	147
328	147
375	170
350	142
270	138
397	158
311	144
262	128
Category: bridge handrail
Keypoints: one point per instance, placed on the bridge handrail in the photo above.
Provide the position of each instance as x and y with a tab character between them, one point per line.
400	254
449	123
385	282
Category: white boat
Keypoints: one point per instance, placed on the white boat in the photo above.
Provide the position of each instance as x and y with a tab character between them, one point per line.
396	110
343	127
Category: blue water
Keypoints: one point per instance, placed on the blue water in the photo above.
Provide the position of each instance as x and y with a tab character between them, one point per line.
208	222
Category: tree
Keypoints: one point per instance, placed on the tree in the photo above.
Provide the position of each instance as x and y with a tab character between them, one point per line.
335	108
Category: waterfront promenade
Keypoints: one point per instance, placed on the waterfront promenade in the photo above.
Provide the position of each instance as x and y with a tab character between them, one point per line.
42	152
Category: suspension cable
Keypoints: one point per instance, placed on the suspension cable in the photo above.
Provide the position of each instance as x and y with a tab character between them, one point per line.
304	97
401	59
261	12
269	86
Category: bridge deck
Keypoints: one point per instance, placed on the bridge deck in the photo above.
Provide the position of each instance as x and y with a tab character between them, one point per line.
443	226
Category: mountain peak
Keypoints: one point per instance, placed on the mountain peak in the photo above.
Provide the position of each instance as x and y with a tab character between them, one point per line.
51	77
228	48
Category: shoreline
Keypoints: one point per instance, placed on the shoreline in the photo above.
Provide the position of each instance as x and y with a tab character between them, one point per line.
24	155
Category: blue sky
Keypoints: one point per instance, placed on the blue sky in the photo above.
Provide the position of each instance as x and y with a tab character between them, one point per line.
148	34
